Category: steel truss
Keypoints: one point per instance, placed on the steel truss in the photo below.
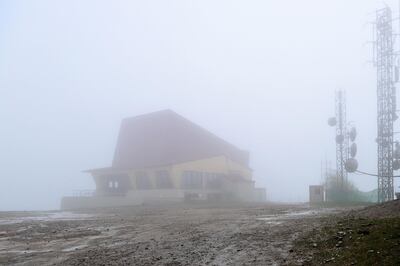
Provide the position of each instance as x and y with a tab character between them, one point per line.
342	142
386	102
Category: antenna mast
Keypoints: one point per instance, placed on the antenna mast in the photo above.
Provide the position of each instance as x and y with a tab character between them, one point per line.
341	138
386	95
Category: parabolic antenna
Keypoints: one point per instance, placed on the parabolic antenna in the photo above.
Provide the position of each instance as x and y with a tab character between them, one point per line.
396	165
353	150
332	121
339	139
396	152
353	134
351	165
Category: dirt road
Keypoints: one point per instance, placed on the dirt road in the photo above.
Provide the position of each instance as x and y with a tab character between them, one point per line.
169	235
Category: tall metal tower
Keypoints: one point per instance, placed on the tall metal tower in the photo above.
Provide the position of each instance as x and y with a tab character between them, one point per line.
386	93
342	143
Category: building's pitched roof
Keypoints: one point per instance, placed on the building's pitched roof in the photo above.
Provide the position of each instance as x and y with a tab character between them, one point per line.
164	138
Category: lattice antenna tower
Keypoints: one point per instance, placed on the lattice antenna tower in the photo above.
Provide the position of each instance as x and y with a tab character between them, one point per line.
342	143
386	100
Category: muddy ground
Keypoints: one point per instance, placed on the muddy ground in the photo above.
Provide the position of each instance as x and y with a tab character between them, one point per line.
368	236
168	235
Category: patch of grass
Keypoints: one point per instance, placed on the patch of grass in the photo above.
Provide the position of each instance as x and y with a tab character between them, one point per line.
353	241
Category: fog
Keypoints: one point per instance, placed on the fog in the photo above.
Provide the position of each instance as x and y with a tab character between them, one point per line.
260	74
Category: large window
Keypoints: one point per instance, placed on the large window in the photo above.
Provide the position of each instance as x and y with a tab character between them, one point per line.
213	180
143	181
192	180
163	179
114	184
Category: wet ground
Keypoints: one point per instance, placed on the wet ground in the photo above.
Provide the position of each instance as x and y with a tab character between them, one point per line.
169	235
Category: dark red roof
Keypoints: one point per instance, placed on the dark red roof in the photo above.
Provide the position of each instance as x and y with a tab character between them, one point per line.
163	138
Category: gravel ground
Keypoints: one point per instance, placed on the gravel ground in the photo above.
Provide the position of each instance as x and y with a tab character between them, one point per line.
367	236
168	235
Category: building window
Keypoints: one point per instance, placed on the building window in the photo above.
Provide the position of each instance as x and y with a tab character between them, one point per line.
163	179
192	180
143	181
113	184
213	180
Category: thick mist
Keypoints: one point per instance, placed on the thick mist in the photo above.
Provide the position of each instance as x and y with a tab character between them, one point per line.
260	74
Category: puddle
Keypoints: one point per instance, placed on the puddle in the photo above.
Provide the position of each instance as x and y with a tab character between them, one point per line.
74	248
24	251
276	219
272	222
55	216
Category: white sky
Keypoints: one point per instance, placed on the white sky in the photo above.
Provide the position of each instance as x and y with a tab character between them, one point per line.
261	74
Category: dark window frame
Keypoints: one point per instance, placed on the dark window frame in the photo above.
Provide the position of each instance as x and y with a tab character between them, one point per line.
163	179
143	181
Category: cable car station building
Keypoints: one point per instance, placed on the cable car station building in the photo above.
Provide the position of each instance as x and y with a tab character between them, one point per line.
163	157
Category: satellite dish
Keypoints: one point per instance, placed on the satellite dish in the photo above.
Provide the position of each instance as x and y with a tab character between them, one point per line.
353	150
353	134
396	153
339	139
351	165
332	121
396	165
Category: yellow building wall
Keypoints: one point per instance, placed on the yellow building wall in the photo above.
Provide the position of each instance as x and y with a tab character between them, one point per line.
218	164
150	172
234	167
132	178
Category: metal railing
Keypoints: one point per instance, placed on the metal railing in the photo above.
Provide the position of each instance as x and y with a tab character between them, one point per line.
83	193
